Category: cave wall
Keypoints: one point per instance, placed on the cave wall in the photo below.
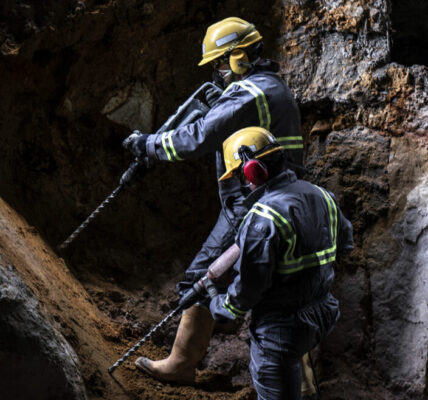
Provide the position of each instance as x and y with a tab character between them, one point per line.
80	76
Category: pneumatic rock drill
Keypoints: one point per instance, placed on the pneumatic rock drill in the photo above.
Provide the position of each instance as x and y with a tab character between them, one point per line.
192	109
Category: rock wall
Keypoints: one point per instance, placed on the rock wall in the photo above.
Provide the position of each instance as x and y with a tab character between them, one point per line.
78	76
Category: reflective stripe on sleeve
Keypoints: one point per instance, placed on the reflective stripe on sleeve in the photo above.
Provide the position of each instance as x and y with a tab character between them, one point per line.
168	146
236	312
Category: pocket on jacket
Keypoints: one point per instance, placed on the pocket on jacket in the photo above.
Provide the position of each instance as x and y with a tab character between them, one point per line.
321	317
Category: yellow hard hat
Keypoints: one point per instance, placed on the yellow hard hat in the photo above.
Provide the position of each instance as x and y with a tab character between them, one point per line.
259	140
226	35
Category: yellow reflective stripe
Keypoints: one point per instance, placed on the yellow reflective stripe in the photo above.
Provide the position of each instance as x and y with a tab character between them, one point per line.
291	139
263	214
291	241
330	253
259	110
168	147
266	107
335	215
333	219
171	146
262	109
286	138
270	209
314	264
318	254
272	218
233	310
230	87
164	145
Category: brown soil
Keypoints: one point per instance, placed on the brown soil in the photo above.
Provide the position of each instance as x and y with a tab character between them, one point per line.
98	339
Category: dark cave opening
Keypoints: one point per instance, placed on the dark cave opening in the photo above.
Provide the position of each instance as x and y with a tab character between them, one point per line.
409	32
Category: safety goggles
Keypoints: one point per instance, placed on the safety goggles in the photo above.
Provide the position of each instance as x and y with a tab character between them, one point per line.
218	62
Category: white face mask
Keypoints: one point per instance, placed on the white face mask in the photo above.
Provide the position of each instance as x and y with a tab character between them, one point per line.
225	73
222	77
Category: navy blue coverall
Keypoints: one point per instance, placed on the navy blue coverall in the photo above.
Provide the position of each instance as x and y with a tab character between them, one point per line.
289	241
261	98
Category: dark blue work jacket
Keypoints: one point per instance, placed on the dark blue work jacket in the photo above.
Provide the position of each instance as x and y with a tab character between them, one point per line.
261	98
289	240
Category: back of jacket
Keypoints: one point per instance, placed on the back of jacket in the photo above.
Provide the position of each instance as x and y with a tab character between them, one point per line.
260	99
289	241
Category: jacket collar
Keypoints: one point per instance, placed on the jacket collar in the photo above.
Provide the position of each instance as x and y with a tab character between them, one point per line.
284	179
263	65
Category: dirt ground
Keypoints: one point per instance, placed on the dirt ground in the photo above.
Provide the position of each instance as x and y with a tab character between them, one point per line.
102	321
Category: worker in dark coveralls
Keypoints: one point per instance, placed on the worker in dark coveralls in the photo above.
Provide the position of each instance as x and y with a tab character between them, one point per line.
254	95
289	241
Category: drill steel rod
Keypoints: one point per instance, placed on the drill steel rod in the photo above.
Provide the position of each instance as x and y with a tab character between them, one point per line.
91	217
133	349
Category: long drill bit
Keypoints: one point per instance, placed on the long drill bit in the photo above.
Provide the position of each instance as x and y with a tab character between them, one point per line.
91	217
133	349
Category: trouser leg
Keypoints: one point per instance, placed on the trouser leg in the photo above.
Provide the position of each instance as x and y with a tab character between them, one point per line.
275	377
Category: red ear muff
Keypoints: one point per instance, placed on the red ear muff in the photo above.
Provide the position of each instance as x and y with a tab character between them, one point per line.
255	172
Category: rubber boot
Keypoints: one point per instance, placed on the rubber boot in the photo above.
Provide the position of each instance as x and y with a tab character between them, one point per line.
191	342
308	387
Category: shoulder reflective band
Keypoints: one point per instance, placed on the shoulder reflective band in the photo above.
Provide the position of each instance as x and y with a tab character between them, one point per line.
280	222
168	146
318	258
290	142
332	209
261	102
236	312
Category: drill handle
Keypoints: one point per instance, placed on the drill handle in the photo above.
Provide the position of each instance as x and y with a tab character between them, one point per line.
223	263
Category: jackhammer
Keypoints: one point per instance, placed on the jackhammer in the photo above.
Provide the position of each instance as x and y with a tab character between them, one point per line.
191	110
203	288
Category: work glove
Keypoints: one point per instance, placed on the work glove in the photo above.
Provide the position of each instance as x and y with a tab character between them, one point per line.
192	296
212	95
190	278
136	144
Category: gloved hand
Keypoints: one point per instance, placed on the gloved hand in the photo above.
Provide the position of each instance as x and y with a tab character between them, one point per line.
192	296
212	95
136	143
190	278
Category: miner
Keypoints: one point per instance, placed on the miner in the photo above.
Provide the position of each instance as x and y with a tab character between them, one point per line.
254	95
288	241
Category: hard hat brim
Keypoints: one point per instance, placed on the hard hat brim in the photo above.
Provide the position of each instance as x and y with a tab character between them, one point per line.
226	175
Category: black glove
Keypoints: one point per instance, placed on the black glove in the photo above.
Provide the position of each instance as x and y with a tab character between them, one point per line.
190	278
212	95
192	296
136	143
